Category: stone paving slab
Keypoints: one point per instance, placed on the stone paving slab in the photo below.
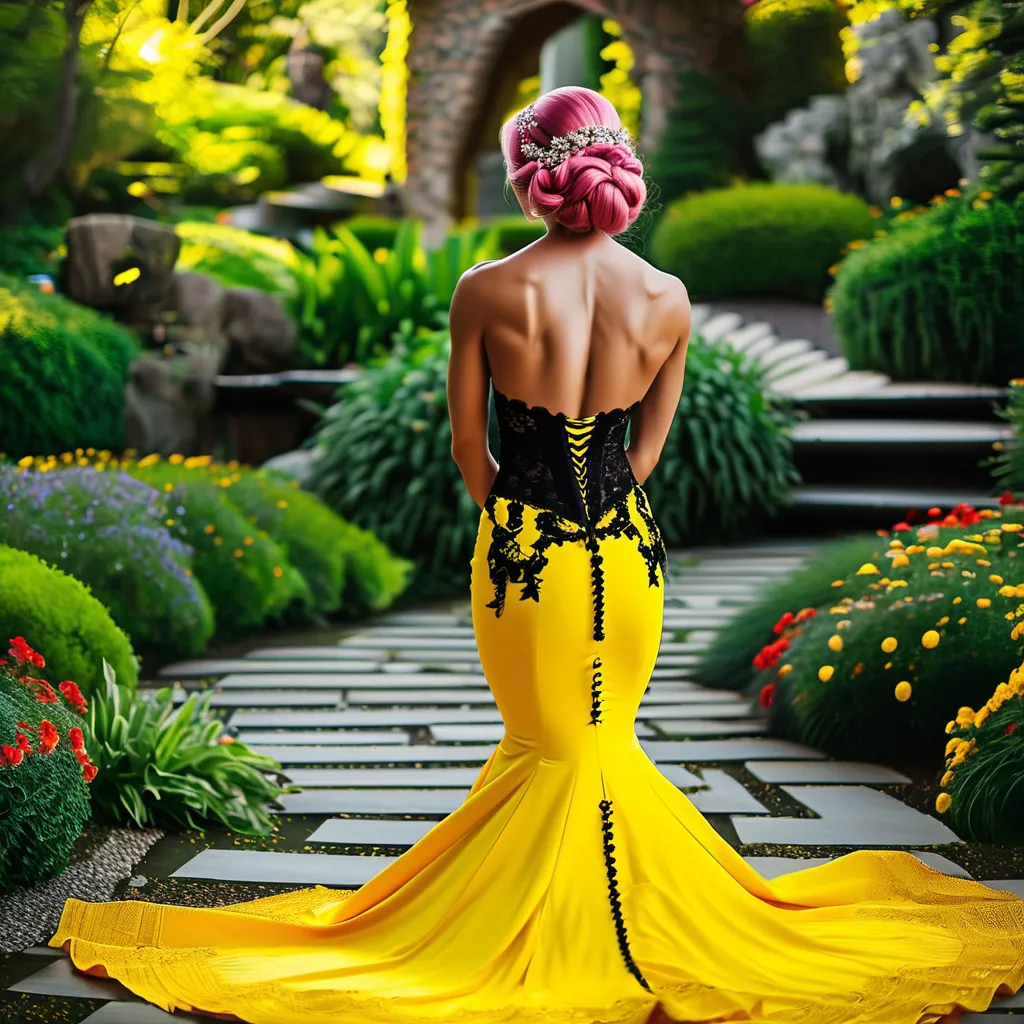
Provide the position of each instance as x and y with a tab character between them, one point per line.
316	652
697	751
370	832
127	1011
494	733
383	778
773	867
849	816
227	666
300	755
430	654
680	712
444	628
401	717
59	978
373	801
680	776
691	693
700	727
723	795
371	640
274	698
434	697
336	681
842	772
325	737
330	869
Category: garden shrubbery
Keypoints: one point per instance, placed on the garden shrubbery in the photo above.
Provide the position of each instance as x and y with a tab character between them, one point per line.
59	615
777	241
45	769
940	297
64	372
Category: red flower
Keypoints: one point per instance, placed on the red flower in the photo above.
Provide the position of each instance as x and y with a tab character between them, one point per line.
785	621
10	756
77	739
73	695
806	613
767	695
934	512
23	743
1007	498
1010	728
901	527
48	736
21	651
89	772
41	690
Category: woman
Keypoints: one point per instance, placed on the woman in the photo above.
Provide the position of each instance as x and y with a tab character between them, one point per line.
575	885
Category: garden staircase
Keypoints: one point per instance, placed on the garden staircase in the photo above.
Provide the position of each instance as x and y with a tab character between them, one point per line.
869	450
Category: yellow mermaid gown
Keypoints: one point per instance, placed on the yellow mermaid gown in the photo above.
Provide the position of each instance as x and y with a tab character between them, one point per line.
575	884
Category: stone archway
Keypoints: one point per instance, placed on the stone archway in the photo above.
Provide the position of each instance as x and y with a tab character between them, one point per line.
463	53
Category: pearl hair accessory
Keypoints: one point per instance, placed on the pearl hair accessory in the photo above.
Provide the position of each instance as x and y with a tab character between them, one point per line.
562	147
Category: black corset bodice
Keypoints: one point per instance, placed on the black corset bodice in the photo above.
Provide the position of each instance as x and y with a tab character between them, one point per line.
575	473
576	468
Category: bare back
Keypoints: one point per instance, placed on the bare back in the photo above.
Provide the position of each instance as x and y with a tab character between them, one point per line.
577	325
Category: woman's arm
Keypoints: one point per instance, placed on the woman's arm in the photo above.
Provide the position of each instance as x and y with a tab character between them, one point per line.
651	422
468	388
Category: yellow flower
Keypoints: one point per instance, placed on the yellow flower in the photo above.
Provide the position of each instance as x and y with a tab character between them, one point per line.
887	665
961	620
934	552
835	642
898	583
903	691
979	718
837	583
900	560
209	528
218	540
825	673
176	460
915	549
26	462
965	717
983	602
282	504
943	802
930	639
868	569
889	644
957	600
942	621
278	571
950	726
842	623
985	561
946	779
168	486
239	552
897	544
1012	527
247	541
1007	591
952	745
785	670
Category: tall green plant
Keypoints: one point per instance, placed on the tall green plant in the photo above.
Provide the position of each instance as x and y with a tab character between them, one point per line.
1008	465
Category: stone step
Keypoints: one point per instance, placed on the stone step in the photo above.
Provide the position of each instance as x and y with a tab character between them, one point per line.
901	433
799	361
818	373
719	325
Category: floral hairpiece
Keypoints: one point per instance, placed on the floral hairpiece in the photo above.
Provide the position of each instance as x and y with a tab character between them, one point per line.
561	147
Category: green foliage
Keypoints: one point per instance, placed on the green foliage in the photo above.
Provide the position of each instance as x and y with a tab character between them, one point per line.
728	663
374	231
857	712
696	150
941	297
245	572
385	462
174	767
1008	465
727	462
374	577
65	368
44	799
58	616
772	240
985	767
513	232
796	53
30	249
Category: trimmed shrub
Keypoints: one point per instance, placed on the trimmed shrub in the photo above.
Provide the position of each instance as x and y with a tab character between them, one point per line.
727	464
919	629
110	532
512	233
65	369
173	767
773	240
796	52
728	662
941	297
983	785
57	614
44	769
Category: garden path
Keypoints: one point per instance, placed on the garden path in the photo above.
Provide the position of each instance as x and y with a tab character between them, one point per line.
387	730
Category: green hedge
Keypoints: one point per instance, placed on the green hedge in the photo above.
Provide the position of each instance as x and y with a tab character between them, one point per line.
777	241
59	616
941	297
513	233
64	372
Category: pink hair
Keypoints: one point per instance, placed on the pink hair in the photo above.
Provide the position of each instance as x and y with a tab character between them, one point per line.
600	188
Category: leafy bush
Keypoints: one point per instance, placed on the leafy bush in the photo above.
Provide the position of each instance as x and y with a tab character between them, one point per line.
57	613
174	767
695	151
941	297
983	785
727	463
65	368
374	231
244	571
29	250
385	464
110	532
728	662
514	232
44	770
1008	465
772	240
910	634
796	52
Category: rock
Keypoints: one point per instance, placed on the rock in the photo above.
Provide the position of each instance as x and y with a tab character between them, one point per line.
168	401
262	337
298	464
118	262
198	314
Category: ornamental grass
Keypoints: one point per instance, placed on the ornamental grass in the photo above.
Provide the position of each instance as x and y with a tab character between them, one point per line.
917	629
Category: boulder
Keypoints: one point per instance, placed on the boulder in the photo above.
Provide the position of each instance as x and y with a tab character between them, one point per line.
118	262
299	464
262	337
197	315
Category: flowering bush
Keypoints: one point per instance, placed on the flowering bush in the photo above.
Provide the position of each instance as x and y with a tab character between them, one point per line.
983	784
44	769
166	766
112	533
914	630
59	613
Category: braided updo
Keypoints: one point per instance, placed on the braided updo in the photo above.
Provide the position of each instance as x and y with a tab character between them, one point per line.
601	187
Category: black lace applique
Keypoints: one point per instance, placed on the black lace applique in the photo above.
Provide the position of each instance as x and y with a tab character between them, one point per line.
613	894
595	694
